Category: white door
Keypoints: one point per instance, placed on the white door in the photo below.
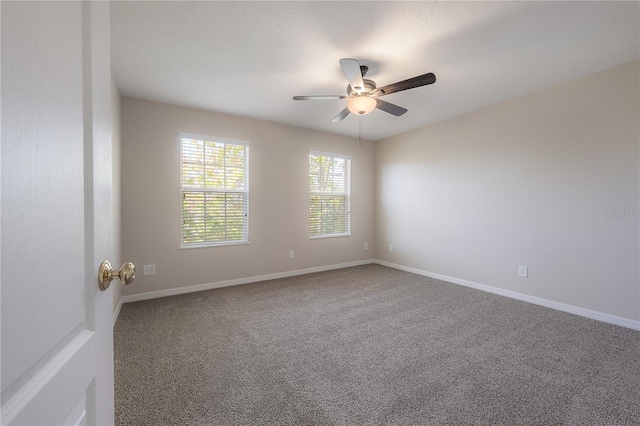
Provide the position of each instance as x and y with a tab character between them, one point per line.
57	331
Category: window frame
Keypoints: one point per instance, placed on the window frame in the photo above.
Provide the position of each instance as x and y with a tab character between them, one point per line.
183	189
347	194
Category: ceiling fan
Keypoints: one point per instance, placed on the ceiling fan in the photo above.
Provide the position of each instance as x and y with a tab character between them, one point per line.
363	94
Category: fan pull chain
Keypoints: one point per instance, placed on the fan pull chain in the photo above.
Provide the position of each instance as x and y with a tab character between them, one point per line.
360	131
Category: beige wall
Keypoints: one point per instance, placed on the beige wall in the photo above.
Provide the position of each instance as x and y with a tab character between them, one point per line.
115	197
526	182
278	198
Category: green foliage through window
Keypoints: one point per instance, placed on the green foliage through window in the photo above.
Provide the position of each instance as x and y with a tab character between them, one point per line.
329	195
214	190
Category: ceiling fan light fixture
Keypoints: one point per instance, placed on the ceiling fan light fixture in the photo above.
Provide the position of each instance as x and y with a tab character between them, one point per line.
361	105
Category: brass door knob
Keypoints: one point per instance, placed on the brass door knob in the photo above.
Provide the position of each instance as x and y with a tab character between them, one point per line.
126	274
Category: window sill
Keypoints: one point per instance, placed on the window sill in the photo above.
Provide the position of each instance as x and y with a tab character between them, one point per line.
318	237
207	245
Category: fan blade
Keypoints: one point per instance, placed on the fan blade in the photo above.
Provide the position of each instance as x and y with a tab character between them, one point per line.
319	98
341	116
421	80
390	108
351	70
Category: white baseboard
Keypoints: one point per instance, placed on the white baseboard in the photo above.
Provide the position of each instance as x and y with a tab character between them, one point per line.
238	281
117	311
599	316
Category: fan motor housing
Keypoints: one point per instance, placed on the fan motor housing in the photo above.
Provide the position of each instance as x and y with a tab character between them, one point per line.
369	87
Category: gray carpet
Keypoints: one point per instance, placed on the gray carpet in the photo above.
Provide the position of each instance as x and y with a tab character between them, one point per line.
369	345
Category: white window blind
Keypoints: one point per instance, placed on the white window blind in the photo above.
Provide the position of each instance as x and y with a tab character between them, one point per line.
214	190
329	195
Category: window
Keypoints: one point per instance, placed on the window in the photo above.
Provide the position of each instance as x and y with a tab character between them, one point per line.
214	191
329	195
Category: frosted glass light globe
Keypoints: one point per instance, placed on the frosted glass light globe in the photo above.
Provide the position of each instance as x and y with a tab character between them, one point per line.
361	105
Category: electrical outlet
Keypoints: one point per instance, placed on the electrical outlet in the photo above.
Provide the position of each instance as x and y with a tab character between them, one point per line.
523	271
366	246
149	270
291	254
390	247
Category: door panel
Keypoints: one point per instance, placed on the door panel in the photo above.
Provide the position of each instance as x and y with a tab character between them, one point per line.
50	396
57	350
42	194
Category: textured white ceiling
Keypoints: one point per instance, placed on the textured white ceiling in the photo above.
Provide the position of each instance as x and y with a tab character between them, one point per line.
251	58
